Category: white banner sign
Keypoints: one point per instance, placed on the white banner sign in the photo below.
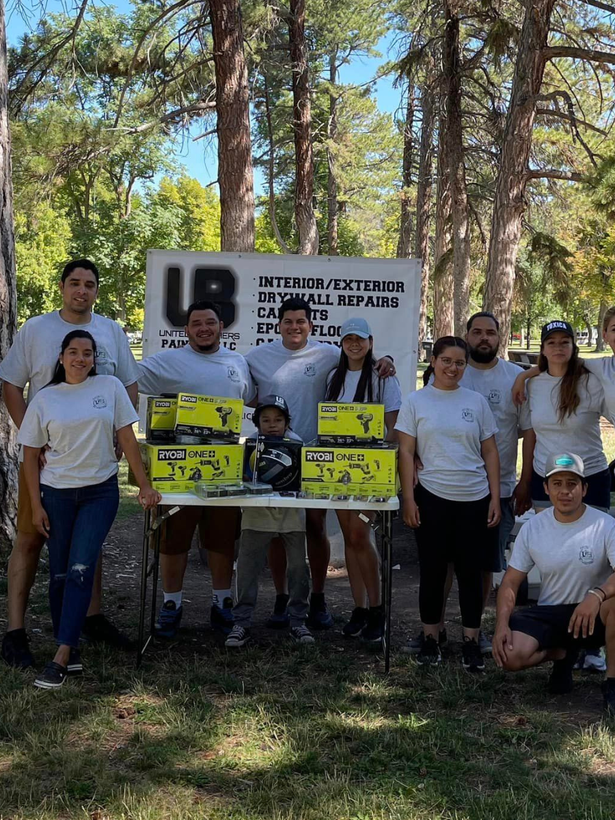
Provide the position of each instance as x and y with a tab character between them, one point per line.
250	287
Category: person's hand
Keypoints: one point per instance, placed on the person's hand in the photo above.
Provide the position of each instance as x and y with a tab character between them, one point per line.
385	368
501	643
522	498
418	465
42	457
40	521
494	515
118	450
411	513
518	390
149	498
584	617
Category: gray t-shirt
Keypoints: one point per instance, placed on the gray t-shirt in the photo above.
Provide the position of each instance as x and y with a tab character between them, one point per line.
604	370
385	391
34	353
184	370
578	433
299	376
449	426
571	558
77	421
495	384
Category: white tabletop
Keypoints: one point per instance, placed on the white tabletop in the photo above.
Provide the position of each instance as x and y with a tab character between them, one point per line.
276	500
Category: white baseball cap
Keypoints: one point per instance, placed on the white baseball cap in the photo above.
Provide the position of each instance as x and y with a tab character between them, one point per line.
357	327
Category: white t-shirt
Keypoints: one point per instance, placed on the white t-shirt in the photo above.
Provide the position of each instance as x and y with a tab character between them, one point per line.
77	422
35	350
495	384
571	558
299	376
578	433
184	370
449	426
385	391
274	519
604	370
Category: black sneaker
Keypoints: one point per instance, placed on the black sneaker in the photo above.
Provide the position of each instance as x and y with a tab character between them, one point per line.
374	629
319	616
357	621
414	645
169	619
561	681
238	637
74	667
16	650
471	656
608	695
279	618
430	654
221	617
98	629
52	677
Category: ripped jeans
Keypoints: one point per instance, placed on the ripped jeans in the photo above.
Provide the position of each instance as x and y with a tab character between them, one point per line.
79	520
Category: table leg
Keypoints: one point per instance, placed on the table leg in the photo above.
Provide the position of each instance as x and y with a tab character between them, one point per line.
387	583
155	569
144	573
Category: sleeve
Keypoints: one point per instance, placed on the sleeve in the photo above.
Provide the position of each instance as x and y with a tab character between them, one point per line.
597	397
406	420
610	544
14	367
33	432
391	394
521	558
148	376
523	415
127	370
124	414
249	391
594	366
488	427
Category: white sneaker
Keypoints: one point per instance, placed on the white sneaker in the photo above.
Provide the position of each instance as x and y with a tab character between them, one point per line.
301	634
594	660
238	637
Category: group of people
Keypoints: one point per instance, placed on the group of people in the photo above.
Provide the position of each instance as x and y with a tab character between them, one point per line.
458	440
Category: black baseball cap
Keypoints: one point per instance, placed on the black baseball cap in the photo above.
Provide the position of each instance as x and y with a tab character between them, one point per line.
558	326
271	401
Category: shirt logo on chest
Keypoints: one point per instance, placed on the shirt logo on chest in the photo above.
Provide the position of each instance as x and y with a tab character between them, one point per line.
494	397
467	414
586	555
98	402
233	374
309	370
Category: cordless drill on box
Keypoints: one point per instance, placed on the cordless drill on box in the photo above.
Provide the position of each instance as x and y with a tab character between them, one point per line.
345	423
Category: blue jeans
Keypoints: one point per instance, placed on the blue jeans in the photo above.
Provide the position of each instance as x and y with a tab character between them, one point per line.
79	520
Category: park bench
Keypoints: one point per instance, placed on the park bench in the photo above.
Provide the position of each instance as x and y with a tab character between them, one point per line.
523	358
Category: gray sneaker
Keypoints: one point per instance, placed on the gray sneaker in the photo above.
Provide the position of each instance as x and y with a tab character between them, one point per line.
415	645
484	644
301	634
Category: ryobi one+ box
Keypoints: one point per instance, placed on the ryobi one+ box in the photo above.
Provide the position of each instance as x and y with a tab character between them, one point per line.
175	468
160	418
350	423
206	416
349	470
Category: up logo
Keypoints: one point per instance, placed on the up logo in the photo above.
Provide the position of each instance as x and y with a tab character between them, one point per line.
494	397
99	402
586	555
215	284
233	374
309	370
467	415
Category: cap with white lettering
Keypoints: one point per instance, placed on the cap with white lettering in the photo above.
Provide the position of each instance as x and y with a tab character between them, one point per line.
564	463
356	327
557	326
271	401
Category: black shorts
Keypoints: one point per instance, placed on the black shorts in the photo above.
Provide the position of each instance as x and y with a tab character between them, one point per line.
549	625
598	490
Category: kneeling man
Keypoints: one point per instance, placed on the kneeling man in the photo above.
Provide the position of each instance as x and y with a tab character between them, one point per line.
573	546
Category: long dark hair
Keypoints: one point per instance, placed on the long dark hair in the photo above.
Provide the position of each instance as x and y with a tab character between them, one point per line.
441	344
59	374
569	398
365	387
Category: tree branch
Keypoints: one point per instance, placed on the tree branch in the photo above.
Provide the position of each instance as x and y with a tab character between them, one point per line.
552	52
604	6
551	112
196	108
567	176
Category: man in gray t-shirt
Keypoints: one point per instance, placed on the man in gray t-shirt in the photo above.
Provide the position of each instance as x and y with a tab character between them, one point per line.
30	364
296	368
573	546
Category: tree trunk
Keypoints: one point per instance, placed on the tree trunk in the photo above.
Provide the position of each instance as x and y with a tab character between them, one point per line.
423	205
302	126
443	251
600	346
332	209
235	176
404	244
8	307
454	157
509	204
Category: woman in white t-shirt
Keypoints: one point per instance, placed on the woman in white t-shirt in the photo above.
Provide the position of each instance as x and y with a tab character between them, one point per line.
355	380
455	506
75	497
565	402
